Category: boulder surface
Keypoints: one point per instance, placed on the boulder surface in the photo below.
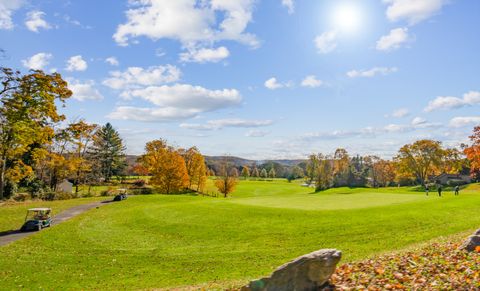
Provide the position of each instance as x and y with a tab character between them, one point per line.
471	243
308	272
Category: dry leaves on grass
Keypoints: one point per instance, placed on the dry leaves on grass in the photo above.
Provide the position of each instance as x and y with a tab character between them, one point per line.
437	267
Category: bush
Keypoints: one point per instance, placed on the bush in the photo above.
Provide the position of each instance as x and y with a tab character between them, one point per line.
139	183
50	196
109	192
141	191
36	187
19	197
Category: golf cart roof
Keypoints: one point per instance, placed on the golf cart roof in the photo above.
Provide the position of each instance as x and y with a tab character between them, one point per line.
39	209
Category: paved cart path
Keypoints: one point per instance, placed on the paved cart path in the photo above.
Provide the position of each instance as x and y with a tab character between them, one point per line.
8	237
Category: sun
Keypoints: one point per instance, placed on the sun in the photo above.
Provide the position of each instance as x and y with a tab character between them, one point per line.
347	17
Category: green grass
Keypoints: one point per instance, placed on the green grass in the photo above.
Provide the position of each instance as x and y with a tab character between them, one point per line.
12	215
160	241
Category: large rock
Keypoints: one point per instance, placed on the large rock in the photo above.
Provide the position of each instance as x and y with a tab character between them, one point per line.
471	243
308	272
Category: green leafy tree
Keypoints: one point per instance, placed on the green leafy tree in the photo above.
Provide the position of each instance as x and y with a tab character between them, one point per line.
108	152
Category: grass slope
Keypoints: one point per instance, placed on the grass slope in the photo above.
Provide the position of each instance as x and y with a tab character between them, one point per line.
166	241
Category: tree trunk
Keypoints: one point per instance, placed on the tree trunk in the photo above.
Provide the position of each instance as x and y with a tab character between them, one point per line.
2	179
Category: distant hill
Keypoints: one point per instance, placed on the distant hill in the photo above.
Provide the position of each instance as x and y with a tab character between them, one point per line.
238	162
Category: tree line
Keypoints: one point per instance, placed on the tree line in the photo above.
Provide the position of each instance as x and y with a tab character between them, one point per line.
417	163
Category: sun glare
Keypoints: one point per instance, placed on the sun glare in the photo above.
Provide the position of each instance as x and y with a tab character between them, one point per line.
347	17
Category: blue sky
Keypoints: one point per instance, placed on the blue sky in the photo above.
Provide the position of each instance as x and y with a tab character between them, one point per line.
259	79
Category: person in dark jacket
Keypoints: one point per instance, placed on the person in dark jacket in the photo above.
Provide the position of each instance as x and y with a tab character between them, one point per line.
426	189
439	189
457	190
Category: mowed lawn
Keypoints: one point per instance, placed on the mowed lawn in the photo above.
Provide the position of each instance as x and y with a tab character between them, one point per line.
159	241
12	216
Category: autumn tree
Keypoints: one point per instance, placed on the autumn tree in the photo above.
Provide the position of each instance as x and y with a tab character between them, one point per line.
234	172
108	152
271	173
341	167
324	173
264	173
420	159
473	152
196	168
312	167
55	165
385	172
255	172
245	172
82	135
225	182
167	167
28	110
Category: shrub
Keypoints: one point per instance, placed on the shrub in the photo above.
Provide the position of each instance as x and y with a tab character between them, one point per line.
109	192
19	197
139	183
50	196
141	191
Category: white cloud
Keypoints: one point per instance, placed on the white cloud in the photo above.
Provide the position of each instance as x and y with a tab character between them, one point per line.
399	113
257	133
176	102
189	21
135	77
273	84
413	11
418	121
372	132
393	40
290	5
35	21
112	61
84	90
222	123
188	97
372	72
76	63
7	8
204	55
326	42
312	82
465	121
469	99
38	61
164	114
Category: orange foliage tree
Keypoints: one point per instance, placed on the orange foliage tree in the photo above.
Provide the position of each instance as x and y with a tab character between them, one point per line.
473	152
167	167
